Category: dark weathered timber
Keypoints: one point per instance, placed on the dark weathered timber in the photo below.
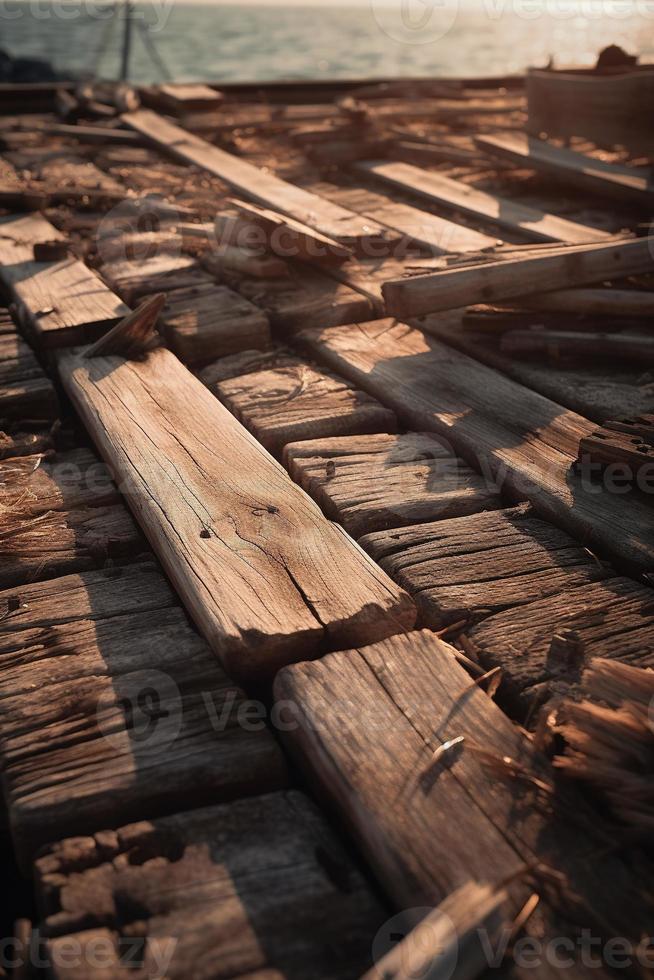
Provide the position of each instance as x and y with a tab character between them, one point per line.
18	443
371	482
470	567
205	322
60	302
25	390
613	619
134	334
62	542
118	719
297	400
265	576
522	441
98	594
164	271
32	485
258	888
372	726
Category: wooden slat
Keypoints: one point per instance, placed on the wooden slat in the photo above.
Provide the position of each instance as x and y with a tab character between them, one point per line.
60	543
258	888
134	279
261	186
205	322
295	400
613	619
265	576
583	345
536	225
608	302
453	288
289	238
63	302
25	390
371	482
33	485
117	719
470	567
618	182
368	723
19	443
520	440
632	453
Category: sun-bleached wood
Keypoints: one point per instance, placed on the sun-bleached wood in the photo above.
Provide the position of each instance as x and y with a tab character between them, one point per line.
265	576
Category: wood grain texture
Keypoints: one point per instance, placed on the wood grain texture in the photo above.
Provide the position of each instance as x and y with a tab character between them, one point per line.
62	302
536	225
523	443
617	181
371	482
205	322
261	186
613	619
25	390
59	543
256	888
584	345
309	297
32	485
590	390
265	576
97	594
296	400
450	289
162	272
367	725
470	567
117	719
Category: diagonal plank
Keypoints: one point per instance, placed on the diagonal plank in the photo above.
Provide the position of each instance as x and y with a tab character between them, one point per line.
452	288
266	577
367	722
263	187
536	225
618	181
522	442
63	302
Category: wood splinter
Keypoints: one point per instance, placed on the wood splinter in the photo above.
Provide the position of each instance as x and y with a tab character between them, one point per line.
134	335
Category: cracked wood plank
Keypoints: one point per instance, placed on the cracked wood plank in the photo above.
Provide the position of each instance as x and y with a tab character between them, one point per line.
258	888
61	302
371	482
293	399
536	225
524	444
368	723
25	390
265	576
471	567
113	719
612	619
261	186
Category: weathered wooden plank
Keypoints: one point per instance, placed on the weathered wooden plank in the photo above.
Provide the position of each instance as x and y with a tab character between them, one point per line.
371	482
536	225
600	302
206	322
587	345
289	238
62	302
296	400
118	719
60	543
33	485
134	279
180	98
613	619
373	726
97	594
590	390
470	567
618	182
258	888
25	390
19	443
263	187
523	442
266	577
452	288
309	296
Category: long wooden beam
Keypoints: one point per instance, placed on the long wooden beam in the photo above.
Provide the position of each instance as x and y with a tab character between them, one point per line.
620	182
524	443
536	225
262	187
266	577
495	281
